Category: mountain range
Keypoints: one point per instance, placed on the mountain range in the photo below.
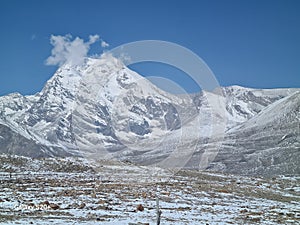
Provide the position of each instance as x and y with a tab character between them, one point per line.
102	109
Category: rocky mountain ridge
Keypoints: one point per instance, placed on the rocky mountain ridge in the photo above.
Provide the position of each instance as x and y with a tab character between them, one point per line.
104	109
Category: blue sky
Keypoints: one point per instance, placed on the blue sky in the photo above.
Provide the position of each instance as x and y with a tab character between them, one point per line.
248	43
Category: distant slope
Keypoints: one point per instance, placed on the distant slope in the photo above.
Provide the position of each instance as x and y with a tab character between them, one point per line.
266	144
14	143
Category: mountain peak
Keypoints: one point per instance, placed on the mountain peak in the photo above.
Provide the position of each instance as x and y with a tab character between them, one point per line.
102	107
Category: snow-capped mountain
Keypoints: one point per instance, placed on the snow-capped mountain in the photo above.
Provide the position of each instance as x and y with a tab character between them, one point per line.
268	143
99	105
104	108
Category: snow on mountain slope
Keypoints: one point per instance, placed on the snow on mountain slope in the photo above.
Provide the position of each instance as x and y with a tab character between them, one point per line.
98	105
19	143
244	103
276	114
123	108
13	105
176	149
103	109
199	141
266	144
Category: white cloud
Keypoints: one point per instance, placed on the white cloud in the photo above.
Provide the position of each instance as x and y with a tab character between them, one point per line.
66	50
33	37
104	44
93	38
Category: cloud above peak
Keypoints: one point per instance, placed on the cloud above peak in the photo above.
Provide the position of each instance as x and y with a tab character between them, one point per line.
69	50
104	44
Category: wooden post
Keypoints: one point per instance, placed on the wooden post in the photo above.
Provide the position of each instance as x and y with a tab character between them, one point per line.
158	212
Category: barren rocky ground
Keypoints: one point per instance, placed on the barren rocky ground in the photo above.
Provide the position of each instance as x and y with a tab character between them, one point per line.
68	191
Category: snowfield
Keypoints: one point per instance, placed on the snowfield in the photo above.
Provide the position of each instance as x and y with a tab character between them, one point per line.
70	191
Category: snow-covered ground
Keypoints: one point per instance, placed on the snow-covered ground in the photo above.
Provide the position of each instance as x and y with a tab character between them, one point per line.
110	192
